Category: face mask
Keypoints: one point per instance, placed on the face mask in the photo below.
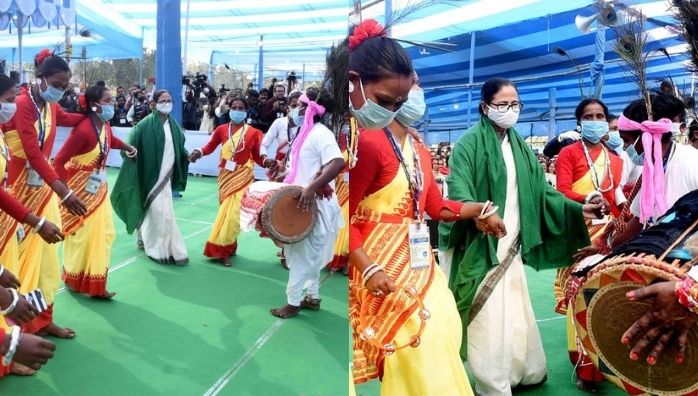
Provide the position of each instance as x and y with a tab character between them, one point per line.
107	112
238	116
164	108
593	131
506	119
371	115
7	111
637	159
51	94
675	129
297	119
614	141
412	110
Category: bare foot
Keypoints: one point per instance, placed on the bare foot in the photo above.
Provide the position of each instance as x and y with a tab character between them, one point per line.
106	296
21	370
60	332
311	303
226	262
587	386
285	312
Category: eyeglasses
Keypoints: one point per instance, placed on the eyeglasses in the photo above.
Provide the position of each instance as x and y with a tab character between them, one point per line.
516	106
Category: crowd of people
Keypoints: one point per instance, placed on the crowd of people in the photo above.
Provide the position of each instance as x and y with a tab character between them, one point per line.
351	147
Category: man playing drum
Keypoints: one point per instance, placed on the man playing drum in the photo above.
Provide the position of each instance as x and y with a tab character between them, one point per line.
315	160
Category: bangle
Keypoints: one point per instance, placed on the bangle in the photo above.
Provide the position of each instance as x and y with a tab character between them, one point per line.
370	267
485	208
66	196
10	354
591	196
13	304
132	153
373	271
2	269
489	214
40	224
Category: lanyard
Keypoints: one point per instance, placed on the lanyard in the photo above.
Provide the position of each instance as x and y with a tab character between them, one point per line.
242	139
40	117
416	187
103	147
592	168
6	156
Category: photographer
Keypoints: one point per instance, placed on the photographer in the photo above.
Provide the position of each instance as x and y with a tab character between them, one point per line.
277	106
189	121
119	119
139	110
222	107
254	111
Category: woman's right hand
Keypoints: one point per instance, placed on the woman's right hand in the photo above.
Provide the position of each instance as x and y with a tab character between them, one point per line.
50	233
380	284
75	205
194	156
33	351
23	312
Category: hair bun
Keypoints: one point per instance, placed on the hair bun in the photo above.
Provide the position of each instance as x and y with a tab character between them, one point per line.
42	55
365	30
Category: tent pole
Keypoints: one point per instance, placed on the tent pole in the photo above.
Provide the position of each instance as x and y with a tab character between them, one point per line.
552	96
186	40
260	64
303	79
388	15
471	73
20	47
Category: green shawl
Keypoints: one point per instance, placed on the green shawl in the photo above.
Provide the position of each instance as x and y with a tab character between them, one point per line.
137	178
552	226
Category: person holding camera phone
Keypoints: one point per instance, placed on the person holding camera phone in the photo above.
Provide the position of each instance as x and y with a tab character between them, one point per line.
276	106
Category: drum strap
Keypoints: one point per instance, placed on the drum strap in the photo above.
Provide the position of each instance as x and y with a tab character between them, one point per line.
491	282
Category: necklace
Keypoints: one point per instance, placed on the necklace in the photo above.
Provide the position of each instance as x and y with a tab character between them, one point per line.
606	169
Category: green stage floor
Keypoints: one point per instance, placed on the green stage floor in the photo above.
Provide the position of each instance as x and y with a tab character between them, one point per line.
196	330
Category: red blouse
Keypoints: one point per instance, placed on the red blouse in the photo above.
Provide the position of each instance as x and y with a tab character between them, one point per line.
376	167
252	143
81	140
23	122
572	165
10	205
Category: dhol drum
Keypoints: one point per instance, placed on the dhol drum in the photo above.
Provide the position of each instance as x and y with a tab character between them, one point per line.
272	209
602	314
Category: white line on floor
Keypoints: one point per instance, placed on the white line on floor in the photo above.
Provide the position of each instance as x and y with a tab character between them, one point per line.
550	319
194	221
249	354
133	259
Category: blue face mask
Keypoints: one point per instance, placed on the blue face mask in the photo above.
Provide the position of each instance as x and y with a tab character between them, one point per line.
412	110
371	115
238	116
107	112
297	119
594	131
614	141
51	94
637	159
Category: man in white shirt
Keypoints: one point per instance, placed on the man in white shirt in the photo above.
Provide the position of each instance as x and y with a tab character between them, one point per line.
314	162
282	132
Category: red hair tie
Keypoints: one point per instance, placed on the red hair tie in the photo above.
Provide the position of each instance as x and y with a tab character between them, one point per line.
42	55
365	30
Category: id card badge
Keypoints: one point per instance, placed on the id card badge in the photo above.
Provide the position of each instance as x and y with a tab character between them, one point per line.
420	247
20	233
93	183
605	220
346	177
36	298
33	178
231	165
122	121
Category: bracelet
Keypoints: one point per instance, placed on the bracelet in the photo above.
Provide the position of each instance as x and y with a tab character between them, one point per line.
370	267
15	300
66	196
683	290
591	196
489	214
40	224
10	354
132	154
485	208
2	269
373	271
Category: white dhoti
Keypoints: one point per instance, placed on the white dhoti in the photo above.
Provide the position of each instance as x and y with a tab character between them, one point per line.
307	257
504	344
159	233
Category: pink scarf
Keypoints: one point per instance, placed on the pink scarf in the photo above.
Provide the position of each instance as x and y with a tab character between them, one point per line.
653	201
311	111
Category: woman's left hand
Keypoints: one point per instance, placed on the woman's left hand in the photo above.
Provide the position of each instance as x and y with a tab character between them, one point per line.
593	211
305	198
664	323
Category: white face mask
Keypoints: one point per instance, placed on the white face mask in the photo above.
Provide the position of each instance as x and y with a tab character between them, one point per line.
7	111
675	129
505	119
164	108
